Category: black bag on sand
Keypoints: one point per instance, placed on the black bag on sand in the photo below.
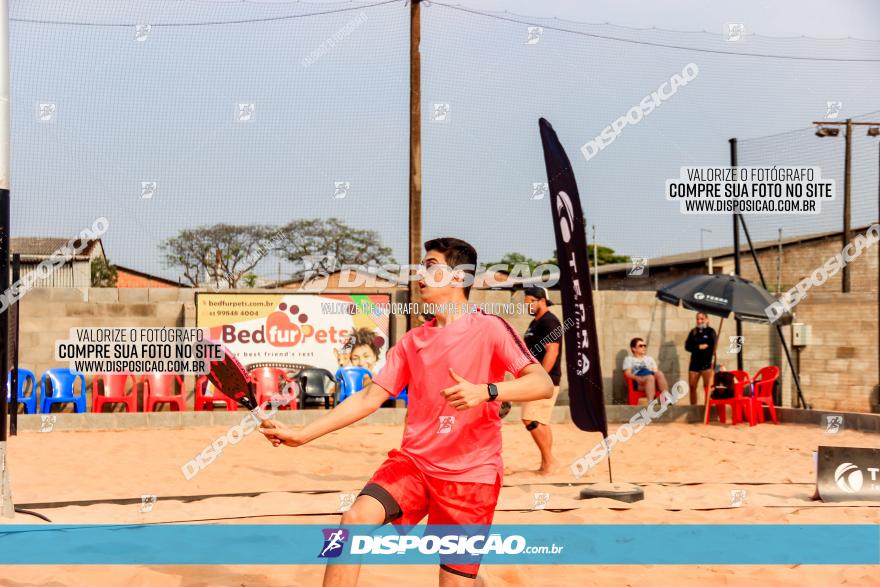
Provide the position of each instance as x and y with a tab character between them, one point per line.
722	387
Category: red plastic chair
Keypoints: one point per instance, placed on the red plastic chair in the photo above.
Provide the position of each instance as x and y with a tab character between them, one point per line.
762	394
204	401
737	403
634	393
269	383
113	385
159	389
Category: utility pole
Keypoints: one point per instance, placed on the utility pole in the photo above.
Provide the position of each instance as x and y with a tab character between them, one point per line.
702	230
595	259
847	200
415	149
823	130
7	509
736	264
779	263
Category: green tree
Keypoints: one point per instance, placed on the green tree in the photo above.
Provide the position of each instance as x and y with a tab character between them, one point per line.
104	274
330	242
224	253
512	259
605	255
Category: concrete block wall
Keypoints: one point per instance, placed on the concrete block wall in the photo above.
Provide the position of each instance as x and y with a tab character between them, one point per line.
839	365
838	369
47	315
798	261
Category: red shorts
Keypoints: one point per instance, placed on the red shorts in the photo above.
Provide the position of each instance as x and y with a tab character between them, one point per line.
408	495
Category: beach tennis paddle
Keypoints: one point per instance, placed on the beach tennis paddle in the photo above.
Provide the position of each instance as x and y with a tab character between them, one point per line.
232	380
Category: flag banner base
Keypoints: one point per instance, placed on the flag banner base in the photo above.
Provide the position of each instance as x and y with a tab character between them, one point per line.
625	492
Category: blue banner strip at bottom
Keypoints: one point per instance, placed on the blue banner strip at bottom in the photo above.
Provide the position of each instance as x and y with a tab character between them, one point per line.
721	544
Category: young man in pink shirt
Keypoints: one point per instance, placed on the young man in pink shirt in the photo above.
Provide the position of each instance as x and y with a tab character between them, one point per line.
449	464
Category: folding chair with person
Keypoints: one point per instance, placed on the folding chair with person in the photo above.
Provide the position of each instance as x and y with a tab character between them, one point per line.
727	390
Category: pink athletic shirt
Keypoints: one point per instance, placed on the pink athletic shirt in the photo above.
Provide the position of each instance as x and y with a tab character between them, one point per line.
444	442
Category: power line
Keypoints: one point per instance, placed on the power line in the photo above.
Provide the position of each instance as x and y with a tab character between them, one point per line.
428	3
651	43
210	23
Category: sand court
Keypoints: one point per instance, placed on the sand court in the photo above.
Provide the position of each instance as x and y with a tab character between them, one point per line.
687	472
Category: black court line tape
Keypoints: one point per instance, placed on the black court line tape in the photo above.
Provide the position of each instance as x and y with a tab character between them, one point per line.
553	510
737	442
200	497
181	498
563	484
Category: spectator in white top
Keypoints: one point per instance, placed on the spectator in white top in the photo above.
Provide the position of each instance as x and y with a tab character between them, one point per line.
643	369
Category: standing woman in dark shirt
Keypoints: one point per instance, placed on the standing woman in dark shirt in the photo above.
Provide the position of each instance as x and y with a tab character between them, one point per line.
700	344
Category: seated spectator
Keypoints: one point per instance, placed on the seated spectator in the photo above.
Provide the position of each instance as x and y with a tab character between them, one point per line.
643	369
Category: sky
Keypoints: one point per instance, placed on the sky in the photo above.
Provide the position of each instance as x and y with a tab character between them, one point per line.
123	112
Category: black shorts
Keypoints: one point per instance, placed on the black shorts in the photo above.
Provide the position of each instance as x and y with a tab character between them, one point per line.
699	365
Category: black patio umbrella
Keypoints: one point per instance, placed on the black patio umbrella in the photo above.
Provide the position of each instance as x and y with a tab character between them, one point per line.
721	295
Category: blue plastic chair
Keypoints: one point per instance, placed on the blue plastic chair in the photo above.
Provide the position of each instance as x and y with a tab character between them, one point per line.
62	390
404	395
350	380
28	401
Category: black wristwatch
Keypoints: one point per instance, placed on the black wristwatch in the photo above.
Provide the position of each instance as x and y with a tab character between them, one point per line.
493	392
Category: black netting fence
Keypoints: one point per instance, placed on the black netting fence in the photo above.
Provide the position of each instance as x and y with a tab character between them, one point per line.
168	116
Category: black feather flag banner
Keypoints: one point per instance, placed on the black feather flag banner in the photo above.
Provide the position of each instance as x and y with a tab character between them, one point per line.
587	401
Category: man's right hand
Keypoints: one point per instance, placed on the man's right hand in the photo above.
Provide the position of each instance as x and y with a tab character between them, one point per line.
278	435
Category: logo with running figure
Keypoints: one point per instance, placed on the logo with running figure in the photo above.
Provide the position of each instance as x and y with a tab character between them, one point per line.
534	35
638	267
833	423
446	423
47	422
734	31
833	108
141	32
539	190
334	541
736	344
738	497
147	503
540	501
346	500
